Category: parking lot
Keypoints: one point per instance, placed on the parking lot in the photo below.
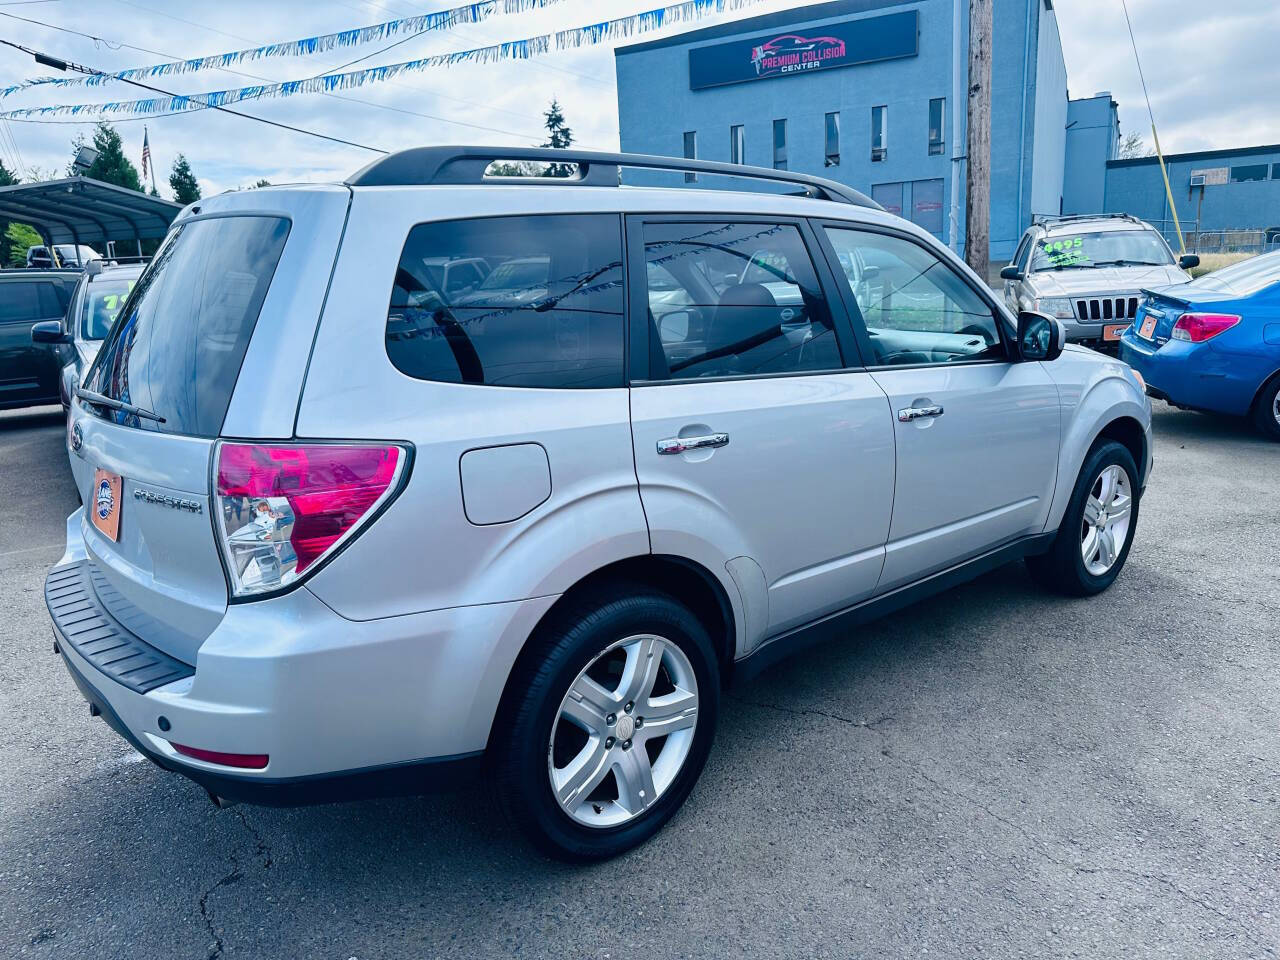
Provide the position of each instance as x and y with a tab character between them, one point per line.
994	773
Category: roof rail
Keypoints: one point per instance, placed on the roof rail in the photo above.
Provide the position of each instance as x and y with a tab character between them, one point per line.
462	165
1047	218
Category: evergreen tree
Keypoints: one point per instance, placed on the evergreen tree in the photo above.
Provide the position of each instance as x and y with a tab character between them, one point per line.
7	178
262	183
111	166
183	182
559	137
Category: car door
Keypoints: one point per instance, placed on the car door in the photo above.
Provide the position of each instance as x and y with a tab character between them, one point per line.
29	372
976	434
757	449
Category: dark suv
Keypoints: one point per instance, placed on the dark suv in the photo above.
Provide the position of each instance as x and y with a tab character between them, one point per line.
30	372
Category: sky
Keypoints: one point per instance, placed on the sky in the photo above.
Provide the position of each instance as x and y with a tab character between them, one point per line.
1198	59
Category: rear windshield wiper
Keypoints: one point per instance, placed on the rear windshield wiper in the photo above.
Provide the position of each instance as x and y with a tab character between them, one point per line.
100	400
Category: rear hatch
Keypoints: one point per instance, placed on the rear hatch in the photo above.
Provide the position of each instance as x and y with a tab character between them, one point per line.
217	329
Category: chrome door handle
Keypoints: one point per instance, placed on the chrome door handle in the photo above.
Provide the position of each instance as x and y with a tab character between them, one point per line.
683	444
907	414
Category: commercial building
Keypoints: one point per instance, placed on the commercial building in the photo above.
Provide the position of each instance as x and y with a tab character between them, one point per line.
873	93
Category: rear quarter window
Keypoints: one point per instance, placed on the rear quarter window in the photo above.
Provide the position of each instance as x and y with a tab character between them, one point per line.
544	310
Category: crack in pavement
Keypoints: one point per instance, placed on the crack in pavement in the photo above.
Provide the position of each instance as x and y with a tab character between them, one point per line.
216	943
1033	840
261	847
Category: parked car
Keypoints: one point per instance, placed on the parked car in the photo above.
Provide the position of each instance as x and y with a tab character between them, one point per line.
1214	344
336	543
30	371
95	302
1089	271
64	255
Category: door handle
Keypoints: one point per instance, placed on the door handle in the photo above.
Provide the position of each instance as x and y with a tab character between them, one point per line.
907	414
683	444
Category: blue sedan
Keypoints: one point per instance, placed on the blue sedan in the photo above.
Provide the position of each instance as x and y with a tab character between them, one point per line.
1214	343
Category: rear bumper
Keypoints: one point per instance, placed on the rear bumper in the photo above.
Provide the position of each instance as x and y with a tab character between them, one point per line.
342	708
1191	374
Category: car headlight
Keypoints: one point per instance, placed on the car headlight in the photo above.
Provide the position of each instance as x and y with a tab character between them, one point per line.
1057	307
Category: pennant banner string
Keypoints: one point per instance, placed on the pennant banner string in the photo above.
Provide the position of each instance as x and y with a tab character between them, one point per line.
649	20
402	27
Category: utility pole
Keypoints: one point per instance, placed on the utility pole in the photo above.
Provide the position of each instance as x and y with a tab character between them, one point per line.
977	206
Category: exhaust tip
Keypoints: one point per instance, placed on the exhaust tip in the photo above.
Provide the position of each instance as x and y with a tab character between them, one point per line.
222	803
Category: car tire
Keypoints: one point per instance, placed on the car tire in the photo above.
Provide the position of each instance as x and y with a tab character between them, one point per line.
1266	409
1071	565
595	639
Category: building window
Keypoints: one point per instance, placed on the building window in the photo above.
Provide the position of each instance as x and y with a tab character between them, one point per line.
833	140
779	144
1275	171
691	153
737	144
937	117
879	133
1249	173
926	205
889	196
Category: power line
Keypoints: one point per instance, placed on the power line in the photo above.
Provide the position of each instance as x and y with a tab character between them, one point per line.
253	76
60	64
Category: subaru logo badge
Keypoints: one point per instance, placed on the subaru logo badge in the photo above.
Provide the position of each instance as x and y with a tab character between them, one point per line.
105	500
77	436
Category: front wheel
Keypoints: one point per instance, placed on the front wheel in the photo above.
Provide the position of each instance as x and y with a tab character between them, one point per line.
1097	529
607	725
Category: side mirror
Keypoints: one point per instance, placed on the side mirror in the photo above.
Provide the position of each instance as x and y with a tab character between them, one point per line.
1188	260
93	268
1040	337
674	327
49	331
1010	273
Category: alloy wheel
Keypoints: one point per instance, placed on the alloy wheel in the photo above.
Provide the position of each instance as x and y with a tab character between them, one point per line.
623	731
1108	512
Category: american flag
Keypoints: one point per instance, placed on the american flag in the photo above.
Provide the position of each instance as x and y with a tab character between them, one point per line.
146	153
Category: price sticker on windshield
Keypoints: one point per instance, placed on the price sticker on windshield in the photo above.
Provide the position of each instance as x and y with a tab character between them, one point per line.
1064	251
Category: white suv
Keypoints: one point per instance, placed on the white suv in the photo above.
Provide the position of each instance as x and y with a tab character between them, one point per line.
348	530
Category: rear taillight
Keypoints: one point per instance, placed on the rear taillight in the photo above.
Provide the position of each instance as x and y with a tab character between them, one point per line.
1199	327
283	508
245	761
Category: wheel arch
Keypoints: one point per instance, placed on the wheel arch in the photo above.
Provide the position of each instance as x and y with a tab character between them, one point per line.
690	583
1262	388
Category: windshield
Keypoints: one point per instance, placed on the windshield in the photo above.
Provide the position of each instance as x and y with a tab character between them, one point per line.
100	304
1110	248
1244	278
181	335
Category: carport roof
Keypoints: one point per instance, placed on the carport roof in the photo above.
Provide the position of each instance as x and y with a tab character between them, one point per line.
81	210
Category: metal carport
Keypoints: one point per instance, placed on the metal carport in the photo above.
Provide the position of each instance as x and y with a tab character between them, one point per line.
81	210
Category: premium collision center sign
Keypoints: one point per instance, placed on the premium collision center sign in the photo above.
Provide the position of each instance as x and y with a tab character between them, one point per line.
805	50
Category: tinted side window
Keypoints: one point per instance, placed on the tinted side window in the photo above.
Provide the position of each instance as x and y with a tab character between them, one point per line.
734	299
915	307
547	313
19	302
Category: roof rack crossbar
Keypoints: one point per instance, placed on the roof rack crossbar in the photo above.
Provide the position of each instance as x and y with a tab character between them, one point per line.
468	165
1045	218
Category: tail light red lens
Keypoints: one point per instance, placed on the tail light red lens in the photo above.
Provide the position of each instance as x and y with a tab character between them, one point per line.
282	508
245	761
1199	327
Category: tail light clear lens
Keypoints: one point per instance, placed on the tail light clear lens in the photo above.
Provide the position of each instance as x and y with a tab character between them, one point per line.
282	509
1199	327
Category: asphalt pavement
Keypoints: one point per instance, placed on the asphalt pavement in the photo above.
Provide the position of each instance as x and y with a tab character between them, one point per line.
994	773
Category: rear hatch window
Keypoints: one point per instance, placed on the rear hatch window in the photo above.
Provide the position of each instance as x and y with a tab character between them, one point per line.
179	340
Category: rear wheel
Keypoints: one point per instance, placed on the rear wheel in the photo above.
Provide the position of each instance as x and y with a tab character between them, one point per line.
1266	411
607	728
1097	529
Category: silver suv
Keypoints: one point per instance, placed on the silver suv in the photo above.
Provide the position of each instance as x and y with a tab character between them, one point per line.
348	531
1090	271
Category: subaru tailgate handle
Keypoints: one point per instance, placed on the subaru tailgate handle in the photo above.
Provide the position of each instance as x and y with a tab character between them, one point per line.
907	414
684	444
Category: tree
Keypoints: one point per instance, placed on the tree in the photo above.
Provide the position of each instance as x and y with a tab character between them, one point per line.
111	166
18	237
7	179
262	183
1132	145
183	182
560	137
